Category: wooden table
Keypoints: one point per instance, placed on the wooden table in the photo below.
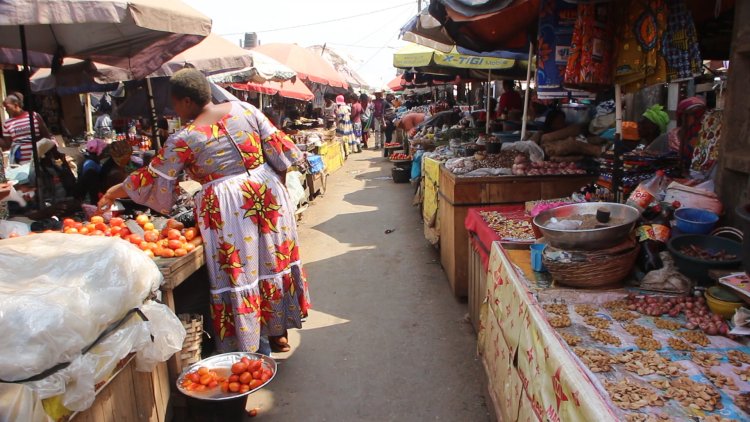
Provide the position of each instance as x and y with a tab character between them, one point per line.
458	194
176	271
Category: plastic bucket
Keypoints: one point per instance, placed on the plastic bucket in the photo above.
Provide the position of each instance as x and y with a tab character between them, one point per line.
695	220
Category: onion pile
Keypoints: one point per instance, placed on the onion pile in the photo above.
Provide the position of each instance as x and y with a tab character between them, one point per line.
696	311
522	167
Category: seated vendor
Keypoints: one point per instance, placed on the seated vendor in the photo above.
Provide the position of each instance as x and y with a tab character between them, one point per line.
555	128
652	129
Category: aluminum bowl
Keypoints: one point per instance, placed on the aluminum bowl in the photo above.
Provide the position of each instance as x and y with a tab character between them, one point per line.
222	364
590	239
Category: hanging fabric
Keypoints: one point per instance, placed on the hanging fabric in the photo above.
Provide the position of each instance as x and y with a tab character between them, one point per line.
591	58
681	49
640	61
556	22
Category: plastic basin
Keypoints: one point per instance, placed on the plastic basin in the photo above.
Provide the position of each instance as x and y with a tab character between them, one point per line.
696	268
695	220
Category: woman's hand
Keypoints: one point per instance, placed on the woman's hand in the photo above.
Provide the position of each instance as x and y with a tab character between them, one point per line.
114	193
4	190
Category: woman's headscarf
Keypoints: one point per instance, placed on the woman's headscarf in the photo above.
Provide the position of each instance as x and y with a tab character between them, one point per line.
96	146
690	104
340	99
658	116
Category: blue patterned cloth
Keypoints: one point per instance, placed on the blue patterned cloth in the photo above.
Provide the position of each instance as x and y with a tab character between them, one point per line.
557	19
680	43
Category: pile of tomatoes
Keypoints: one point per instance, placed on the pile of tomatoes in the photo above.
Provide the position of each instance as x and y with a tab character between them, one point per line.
247	374
202	379
399	157
174	240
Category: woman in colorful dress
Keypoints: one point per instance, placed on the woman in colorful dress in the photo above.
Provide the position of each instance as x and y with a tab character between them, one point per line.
258	287
344	127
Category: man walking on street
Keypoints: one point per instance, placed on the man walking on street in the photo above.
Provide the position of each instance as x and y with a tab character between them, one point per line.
378	123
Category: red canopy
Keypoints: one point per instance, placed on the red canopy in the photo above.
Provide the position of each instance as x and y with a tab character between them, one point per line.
397	84
308	65
295	90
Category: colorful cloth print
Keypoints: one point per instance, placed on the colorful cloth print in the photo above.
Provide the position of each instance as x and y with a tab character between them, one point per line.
639	61
247	221
706	152
590	62
344	127
680	45
556	21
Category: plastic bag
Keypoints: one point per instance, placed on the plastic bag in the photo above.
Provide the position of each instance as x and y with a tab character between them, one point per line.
59	292
8	228
416	165
294	187
168	332
535	152
20	403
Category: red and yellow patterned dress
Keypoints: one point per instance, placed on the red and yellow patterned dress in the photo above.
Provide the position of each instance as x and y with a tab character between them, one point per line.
258	286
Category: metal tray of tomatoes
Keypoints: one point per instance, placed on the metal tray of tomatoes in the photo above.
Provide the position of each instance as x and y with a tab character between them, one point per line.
222	364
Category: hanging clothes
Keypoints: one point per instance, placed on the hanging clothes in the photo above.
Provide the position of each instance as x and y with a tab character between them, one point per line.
706	152
640	61
556	22
681	49
590	63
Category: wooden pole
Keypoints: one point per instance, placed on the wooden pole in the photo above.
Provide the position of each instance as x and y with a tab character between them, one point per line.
526	94
487	102
89	118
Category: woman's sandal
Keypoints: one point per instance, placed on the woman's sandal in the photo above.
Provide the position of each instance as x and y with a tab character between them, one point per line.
279	344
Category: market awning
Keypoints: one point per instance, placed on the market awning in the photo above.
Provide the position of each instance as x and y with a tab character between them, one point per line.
295	90
213	54
397	84
309	67
138	35
416	56
264	69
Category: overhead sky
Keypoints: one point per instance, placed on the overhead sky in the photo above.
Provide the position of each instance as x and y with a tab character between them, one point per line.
366	31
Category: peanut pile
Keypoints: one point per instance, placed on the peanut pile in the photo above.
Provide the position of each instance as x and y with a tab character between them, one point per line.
695	337
744	374
722	381
622	315
717	418
571	339
737	358
706	359
627	394
585	310
614	305
605	337
678	344
556	308
694	394
597	322
596	360
560	321
645	417
647	343
638	330
666	324
647	363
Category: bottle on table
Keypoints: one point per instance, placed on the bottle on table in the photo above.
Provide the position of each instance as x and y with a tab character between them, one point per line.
648	191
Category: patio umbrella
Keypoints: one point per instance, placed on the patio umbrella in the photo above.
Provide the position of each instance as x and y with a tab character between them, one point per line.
263	69
295	90
309	66
138	35
396	84
342	64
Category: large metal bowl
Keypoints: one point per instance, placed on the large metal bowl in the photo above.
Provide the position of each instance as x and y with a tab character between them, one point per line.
587	239
222	364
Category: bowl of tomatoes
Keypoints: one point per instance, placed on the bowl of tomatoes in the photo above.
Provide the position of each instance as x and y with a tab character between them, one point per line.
227	376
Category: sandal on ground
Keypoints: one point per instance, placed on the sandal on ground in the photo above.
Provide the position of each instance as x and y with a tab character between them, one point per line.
279	344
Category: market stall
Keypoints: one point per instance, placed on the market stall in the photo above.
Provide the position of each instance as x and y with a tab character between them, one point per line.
567	354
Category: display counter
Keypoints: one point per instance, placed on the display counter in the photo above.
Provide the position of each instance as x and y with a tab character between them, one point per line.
430	198
333	154
533	374
457	194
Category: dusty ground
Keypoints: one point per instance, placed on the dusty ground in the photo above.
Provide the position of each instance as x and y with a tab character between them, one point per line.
386	340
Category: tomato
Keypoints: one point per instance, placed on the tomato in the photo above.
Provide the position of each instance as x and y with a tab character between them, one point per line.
182	239
180	252
190	234
77	225
194	377
234	387
174	244
97	219
173	234
101	226
205	379
148	226
246	360
200	387
71	230
142	219
174	224
252	412
234	378
255	365
255	384
213	384
68	222
97	233
167	253
239	367
265	377
197	241
124	232
149	253
135	239
244	388
189	247
143	245
202	371
91	227
245	378
224	387
257	374
116	222
151	236
83	230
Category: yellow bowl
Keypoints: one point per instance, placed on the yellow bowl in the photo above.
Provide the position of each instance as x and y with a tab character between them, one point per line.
721	307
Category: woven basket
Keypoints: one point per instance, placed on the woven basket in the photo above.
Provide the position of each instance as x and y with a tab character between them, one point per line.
191	347
593	269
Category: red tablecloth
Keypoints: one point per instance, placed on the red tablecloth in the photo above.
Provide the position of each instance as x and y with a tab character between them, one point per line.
481	234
